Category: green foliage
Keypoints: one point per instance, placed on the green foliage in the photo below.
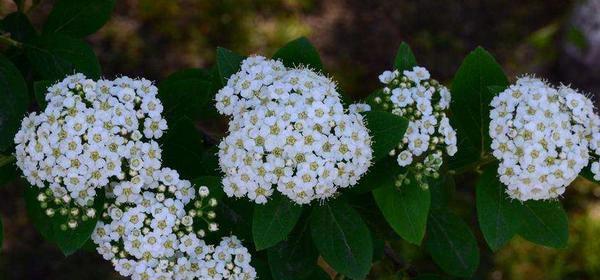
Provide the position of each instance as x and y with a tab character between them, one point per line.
70	240
40	88
383	173
13	102
296	257
299	52
544	223
187	93
228	63
498	215
78	18
470	104
451	244
19	27
342	238
273	221
387	130
405	208
55	56
185	150
405	58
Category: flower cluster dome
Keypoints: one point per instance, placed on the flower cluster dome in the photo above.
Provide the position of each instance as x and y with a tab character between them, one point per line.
542	136
412	94
288	131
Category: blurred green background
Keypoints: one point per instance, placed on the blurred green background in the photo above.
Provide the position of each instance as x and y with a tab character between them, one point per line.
357	39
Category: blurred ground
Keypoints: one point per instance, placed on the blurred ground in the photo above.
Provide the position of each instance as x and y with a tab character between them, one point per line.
558	39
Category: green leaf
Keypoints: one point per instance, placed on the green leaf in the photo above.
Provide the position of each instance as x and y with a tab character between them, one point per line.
471	104
55	56
70	240
451	244
544	223
498	215
299	52
387	131
342	238
235	215
273	221
294	258
78	18
228	63
405	209
186	93
185	151
405	59
382	173
19	27
40	88
442	190
13	102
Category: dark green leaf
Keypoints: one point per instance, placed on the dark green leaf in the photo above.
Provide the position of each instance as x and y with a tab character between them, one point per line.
235	216
544	223
342	238
442	190
184	150
19	27
405	59
273	221
13	102
382	173
70	240
78	18
294	258
186	93
40	88
451	244
498	215
55	56
299	52
405	209
228	63
387	131
470	104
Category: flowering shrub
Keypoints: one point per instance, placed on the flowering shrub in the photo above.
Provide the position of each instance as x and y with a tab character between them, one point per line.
301	180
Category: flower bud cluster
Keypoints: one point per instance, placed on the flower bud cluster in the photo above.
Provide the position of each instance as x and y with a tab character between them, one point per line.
542	136
288	131
423	101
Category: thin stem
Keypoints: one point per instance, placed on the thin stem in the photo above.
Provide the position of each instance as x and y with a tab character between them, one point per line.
7	41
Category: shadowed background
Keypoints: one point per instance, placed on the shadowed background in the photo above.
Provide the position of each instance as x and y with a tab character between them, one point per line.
357	39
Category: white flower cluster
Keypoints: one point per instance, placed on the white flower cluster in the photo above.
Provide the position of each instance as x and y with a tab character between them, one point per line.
423	101
99	137
288	131
156	232
541	136
91	133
